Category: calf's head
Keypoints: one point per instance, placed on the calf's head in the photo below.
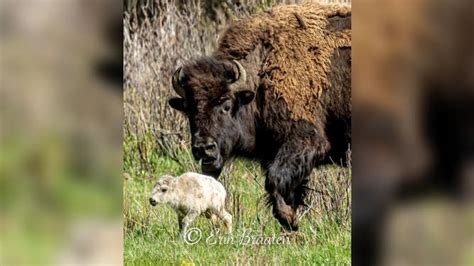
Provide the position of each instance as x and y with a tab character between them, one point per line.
163	190
213	93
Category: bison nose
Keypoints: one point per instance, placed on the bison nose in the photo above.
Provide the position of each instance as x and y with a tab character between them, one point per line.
210	149
205	150
152	202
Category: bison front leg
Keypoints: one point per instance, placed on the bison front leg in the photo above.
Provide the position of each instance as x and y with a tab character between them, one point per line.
185	221
288	176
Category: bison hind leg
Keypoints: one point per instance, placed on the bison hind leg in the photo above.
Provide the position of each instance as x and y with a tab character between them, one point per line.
227	218
224	216
211	216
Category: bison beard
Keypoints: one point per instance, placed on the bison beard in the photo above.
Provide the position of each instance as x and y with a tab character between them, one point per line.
277	90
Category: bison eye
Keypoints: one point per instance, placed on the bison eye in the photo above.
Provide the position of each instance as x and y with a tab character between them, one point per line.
226	108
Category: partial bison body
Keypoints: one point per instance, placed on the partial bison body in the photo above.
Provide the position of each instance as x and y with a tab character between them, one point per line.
413	114
276	90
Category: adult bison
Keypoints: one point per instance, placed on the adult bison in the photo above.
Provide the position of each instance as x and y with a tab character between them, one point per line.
413	123
277	90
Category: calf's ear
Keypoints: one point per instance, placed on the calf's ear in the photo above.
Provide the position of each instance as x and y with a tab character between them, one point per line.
244	97
178	104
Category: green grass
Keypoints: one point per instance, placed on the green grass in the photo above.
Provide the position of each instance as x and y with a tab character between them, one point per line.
43	195
151	233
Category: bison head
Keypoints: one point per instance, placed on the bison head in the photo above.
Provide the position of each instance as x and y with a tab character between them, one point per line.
163	191
213	93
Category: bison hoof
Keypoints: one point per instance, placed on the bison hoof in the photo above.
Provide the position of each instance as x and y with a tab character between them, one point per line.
286	216
287	227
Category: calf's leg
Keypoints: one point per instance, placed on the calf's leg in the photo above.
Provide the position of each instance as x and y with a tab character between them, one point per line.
224	216
211	216
186	221
180	221
227	218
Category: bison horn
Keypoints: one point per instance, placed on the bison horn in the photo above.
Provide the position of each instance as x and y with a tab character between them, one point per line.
177	83
242	77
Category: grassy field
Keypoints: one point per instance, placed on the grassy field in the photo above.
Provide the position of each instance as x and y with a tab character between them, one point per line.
151	232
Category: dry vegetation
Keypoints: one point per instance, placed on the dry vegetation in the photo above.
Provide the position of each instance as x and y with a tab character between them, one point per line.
157	39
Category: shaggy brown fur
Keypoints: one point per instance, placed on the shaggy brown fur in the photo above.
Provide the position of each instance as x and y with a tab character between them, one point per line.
303	41
292	112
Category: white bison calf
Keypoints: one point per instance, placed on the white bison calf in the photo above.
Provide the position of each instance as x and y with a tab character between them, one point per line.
190	195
